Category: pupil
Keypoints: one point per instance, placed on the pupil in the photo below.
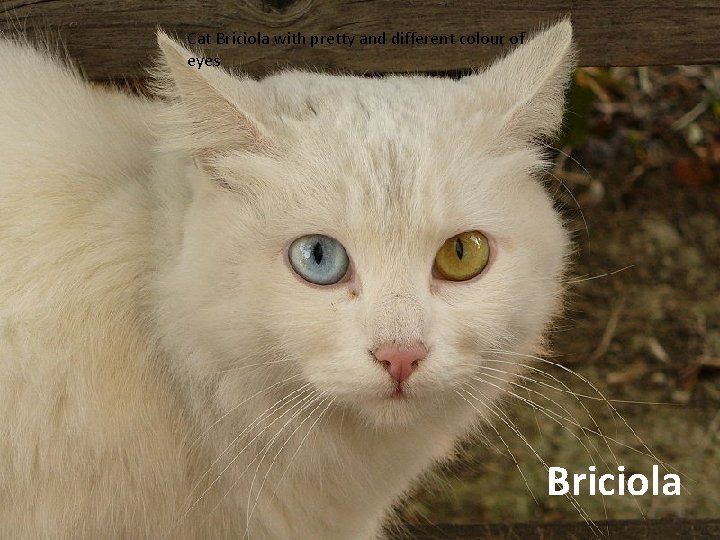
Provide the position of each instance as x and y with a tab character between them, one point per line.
317	253
459	248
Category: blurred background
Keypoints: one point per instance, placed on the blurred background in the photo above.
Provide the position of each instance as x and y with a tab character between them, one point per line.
637	177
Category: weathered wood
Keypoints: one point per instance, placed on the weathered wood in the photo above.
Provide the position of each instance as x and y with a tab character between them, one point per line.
666	529
114	39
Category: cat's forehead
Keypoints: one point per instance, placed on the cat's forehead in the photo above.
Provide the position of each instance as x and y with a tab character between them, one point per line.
390	124
311	96
386	158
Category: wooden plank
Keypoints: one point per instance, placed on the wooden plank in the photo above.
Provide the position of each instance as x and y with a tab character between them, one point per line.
666	529
115	39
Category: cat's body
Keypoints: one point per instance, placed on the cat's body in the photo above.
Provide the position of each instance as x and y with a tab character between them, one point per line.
164	372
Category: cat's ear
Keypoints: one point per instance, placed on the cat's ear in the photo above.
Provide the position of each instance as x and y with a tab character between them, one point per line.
207	118
528	85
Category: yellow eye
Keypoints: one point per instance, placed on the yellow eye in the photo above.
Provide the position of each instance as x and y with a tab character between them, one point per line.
463	256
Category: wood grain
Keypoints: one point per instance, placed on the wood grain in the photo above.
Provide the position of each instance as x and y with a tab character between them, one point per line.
115	39
666	529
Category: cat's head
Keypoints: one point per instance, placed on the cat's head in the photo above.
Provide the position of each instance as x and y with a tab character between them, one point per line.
373	239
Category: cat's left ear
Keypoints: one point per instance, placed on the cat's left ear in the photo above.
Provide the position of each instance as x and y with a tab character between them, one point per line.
528	86
213	112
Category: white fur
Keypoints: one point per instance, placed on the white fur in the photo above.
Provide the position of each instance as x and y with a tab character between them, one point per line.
149	320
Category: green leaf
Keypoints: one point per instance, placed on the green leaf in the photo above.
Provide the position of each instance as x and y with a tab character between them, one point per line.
576	122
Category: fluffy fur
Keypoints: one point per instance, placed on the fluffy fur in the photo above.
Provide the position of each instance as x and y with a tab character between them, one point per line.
164	373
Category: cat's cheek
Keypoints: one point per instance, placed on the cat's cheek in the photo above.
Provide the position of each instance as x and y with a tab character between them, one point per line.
355	382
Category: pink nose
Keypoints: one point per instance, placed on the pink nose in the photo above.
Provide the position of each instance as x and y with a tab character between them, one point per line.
400	361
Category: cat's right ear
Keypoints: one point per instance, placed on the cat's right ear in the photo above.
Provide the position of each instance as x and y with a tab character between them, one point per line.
527	86
208	118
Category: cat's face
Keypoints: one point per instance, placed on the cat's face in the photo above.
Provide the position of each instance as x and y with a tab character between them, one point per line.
373	176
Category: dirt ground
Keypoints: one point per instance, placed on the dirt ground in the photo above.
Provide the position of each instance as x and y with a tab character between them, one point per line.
642	323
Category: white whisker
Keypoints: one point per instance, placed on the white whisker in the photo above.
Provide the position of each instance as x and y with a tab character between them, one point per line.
507	447
249	510
236	407
257	498
554	416
247	445
503	417
597	390
581	279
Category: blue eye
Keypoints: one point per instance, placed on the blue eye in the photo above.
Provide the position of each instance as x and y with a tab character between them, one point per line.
319	259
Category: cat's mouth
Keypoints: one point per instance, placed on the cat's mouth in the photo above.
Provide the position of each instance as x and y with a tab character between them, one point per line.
398	392
401	392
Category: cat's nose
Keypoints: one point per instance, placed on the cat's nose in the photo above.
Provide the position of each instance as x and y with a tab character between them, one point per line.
400	361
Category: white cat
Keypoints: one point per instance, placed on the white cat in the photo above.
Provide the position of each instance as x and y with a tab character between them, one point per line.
252	310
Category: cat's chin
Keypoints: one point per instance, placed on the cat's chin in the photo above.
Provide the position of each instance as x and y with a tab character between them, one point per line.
392	410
